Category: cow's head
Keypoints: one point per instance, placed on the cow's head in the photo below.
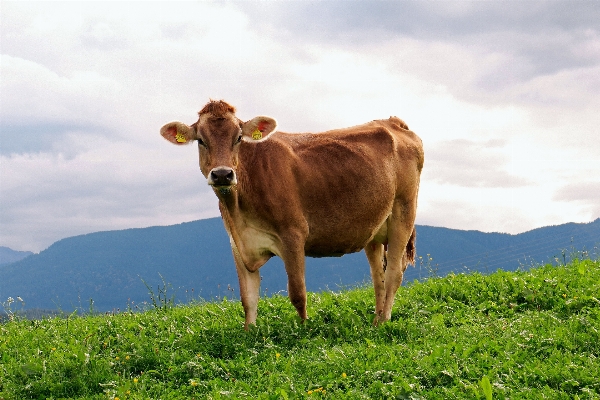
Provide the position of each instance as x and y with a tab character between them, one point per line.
220	134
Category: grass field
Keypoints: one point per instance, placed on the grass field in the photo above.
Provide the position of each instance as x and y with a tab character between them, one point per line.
519	335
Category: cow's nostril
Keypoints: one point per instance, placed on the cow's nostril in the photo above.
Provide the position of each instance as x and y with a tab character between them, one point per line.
222	177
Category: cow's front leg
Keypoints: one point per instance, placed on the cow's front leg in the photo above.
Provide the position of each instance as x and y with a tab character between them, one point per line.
249	288
295	267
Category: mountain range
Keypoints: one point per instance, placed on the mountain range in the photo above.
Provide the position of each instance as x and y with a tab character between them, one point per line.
119	269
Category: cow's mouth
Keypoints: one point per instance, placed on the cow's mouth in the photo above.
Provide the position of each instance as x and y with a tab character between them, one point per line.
219	185
223	189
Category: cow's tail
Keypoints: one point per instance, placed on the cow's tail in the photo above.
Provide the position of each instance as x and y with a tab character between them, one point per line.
411	247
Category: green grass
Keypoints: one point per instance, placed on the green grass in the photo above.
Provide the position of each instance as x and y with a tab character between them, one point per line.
517	335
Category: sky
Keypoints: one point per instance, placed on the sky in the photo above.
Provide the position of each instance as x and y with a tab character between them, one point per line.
505	96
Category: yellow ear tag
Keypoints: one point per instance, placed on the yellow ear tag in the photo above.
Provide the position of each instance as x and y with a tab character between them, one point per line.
180	138
256	135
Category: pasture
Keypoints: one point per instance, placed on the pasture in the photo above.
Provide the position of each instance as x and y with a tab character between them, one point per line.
526	334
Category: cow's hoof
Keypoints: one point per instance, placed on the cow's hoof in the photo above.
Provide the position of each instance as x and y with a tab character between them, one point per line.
379	320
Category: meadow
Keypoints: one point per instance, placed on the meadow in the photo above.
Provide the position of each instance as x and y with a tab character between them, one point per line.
527	334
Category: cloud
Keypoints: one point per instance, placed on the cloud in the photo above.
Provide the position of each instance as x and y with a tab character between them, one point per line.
479	49
153	59
37	93
495	209
41	107
586	194
473	164
582	191
505	218
459	22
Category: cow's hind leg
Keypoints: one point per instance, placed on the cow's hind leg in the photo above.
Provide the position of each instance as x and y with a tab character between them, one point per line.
375	253
400	229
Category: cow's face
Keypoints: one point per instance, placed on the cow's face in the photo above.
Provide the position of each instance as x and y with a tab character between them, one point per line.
220	137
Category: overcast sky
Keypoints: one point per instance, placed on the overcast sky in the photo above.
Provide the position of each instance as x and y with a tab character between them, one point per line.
505	95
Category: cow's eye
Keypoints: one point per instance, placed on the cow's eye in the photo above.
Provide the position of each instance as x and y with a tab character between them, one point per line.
239	139
201	143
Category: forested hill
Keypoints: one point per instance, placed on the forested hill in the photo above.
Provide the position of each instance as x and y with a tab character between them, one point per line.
195	259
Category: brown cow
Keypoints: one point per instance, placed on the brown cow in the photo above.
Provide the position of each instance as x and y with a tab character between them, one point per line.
323	194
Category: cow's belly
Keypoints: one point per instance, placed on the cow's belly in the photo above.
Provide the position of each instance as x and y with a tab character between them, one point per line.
345	240
335	247
259	245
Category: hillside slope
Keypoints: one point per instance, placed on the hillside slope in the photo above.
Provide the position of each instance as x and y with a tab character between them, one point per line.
196	260
521	335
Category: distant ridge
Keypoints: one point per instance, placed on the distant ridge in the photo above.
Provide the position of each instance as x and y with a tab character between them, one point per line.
195	259
8	256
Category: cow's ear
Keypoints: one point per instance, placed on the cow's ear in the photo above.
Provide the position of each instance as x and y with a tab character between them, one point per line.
178	133
258	129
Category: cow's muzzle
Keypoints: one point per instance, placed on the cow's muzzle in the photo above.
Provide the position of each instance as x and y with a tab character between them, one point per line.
222	176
